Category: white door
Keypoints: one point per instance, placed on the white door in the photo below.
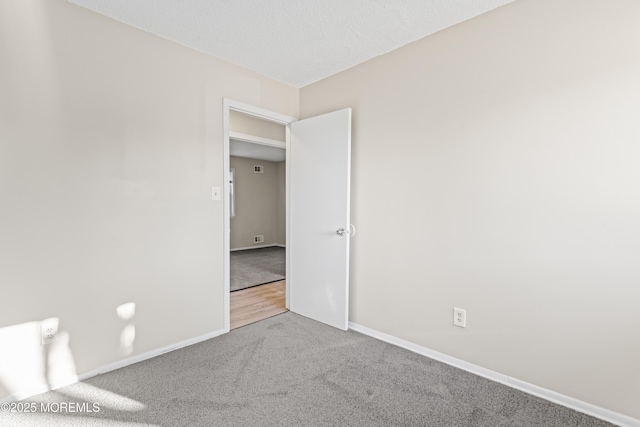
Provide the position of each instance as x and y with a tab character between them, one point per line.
318	277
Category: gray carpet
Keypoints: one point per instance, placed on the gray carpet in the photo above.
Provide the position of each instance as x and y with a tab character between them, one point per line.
256	267
292	371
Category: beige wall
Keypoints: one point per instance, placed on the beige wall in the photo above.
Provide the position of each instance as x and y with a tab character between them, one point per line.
256	202
110	141
495	168
249	125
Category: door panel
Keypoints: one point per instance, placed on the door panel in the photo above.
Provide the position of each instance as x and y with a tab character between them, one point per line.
318	278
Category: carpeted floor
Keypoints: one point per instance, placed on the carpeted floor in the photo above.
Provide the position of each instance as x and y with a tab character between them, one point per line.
292	371
254	267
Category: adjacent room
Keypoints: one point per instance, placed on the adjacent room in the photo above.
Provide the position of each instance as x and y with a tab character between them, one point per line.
453	230
257	159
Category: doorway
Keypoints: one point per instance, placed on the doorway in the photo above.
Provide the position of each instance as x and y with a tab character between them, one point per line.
255	157
318	229
258	220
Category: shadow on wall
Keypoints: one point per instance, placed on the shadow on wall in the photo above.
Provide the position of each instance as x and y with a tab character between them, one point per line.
31	363
28	365
126	312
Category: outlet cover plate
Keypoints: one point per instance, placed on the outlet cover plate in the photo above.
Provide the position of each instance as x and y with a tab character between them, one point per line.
460	317
49	330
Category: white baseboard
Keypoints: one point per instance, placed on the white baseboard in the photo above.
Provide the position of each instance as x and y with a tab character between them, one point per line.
552	396
258	247
42	388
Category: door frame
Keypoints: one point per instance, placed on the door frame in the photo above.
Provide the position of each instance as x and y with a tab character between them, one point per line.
263	114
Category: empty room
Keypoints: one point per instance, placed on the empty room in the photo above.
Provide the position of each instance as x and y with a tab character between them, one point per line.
460	212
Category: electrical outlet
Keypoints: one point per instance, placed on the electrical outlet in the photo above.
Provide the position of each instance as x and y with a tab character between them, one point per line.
258	239
49	330
460	317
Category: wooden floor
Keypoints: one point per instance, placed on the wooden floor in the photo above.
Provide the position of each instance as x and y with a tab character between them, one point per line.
257	303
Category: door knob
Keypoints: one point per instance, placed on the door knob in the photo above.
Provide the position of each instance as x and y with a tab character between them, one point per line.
343	232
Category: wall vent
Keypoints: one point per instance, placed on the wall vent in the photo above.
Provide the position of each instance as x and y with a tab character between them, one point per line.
258	168
258	239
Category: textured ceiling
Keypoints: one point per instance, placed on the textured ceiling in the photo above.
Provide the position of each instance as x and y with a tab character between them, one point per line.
295	41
